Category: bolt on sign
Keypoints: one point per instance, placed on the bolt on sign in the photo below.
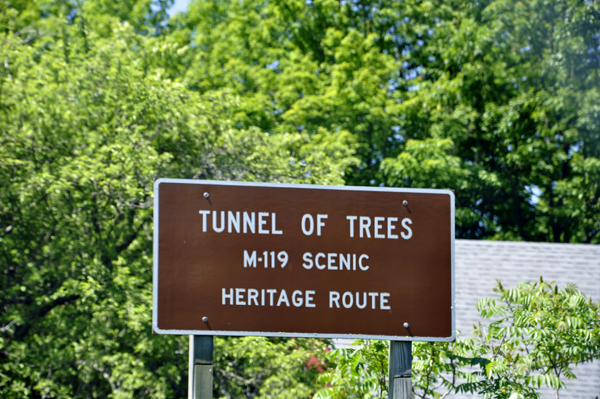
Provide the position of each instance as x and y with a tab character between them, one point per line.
236	258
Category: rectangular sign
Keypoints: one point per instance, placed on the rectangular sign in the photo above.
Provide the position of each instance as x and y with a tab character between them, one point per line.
236	258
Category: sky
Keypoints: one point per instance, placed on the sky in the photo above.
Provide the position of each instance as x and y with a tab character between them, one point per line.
178	5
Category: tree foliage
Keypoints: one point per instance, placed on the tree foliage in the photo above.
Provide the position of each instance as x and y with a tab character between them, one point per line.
87	123
259	367
359	372
537	335
509	96
532	336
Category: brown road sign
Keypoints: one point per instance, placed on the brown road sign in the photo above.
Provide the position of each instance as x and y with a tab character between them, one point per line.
299	260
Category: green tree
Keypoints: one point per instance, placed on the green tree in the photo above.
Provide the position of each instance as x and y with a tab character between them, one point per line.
505	111
537	335
308	66
85	129
31	20
438	369
359	372
532	336
259	367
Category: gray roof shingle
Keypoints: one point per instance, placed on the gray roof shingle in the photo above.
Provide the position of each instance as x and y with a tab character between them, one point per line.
480	263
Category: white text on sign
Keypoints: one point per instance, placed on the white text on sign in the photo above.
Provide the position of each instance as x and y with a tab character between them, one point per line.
266	223
298	298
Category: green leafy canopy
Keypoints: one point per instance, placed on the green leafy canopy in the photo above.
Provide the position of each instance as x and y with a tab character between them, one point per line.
87	123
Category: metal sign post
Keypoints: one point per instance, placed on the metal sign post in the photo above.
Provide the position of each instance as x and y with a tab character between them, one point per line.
200	383
400	386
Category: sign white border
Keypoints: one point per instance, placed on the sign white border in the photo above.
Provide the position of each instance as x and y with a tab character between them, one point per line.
291	335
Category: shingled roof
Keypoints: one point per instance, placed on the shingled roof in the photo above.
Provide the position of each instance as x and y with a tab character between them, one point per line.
478	264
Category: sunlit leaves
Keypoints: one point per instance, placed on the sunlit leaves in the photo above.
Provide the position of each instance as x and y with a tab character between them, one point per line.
531	337
262	367
84	132
545	331
360	371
